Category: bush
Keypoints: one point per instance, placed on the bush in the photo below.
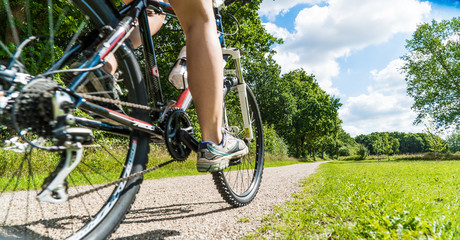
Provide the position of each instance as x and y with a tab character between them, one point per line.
441	156
363	152
350	158
344	151
274	144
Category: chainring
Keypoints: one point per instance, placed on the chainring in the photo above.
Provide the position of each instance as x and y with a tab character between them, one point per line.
177	121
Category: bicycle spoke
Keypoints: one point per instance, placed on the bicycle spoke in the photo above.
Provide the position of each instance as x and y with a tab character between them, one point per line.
19	171
81	199
95	171
75	36
89	181
52	30
12	26
42	213
5	48
51	27
22	214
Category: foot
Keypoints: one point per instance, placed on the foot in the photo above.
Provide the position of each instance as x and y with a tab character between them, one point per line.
213	157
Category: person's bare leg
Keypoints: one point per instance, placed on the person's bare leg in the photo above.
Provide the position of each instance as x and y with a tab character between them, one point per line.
204	64
155	23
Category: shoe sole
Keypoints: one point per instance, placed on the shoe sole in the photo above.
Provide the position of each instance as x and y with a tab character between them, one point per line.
213	166
205	165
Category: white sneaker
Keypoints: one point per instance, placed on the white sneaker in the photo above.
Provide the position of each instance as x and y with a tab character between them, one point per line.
213	157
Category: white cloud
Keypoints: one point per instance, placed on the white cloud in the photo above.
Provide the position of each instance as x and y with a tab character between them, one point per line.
323	34
278	32
272	8
390	79
385	106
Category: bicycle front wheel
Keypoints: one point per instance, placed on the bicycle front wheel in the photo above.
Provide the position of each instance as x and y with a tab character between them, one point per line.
90	212
239	183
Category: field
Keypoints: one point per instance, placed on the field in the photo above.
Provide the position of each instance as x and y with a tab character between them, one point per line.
372	200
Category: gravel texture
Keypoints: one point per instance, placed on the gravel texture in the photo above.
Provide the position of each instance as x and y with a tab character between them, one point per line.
191	208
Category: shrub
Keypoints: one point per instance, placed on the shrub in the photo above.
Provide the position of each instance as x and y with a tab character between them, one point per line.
344	151
350	158
274	144
363	152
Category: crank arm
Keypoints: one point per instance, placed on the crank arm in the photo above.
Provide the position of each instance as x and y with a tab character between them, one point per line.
188	140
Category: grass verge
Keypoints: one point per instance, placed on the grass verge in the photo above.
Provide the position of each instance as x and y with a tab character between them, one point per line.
372	200
19	174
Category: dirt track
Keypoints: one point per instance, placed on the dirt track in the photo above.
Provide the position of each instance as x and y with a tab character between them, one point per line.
191	208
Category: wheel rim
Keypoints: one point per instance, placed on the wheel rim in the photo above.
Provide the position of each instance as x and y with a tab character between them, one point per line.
23	170
243	179
22	215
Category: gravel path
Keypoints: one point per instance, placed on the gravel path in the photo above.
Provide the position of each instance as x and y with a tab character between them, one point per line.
191	208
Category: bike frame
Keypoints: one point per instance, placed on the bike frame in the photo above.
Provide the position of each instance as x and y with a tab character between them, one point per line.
132	13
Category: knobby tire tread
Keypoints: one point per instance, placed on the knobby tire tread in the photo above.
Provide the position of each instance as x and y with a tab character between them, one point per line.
102	14
219	177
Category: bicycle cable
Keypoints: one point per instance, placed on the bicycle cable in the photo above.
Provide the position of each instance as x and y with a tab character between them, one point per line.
236	23
72	70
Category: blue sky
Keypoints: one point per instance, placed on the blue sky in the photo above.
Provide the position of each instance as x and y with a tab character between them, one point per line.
354	48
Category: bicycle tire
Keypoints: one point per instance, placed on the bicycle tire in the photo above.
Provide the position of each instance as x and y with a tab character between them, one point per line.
52	220
238	184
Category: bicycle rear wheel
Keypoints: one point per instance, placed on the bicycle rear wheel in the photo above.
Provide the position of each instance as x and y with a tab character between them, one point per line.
239	183
24	170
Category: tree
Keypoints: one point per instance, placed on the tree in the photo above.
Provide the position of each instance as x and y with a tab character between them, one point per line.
435	143
412	143
366	141
363	152
387	147
378	146
35	21
303	113
433	73
453	142
344	141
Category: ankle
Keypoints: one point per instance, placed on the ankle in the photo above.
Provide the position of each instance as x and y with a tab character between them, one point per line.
218	139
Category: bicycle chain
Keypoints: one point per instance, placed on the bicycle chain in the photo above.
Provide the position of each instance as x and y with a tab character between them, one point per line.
113	101
127	104
121	180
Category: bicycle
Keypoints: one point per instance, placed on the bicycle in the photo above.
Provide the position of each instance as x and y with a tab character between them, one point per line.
67	126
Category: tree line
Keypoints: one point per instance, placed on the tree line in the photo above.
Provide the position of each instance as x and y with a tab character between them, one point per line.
408	143
300	118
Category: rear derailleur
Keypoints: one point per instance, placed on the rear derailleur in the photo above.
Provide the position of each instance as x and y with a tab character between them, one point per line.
41	110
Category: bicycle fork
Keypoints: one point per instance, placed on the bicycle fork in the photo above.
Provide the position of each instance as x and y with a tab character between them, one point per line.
235	54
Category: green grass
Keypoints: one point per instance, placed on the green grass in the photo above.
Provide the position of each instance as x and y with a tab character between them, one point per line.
372	200
42	163
188	167
408	157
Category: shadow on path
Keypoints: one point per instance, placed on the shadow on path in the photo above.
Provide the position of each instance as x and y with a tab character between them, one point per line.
152	235
168	213
171	212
